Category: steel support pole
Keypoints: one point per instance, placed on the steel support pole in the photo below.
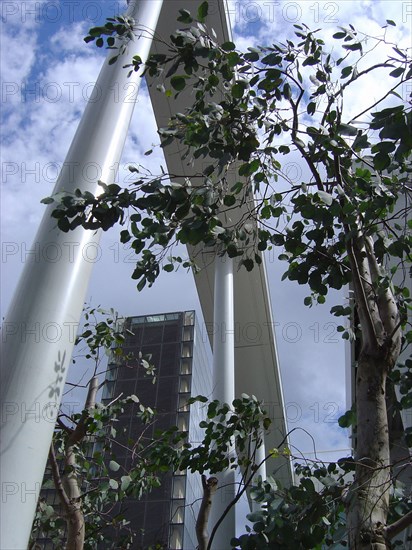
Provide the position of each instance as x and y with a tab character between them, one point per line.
40	328
223	390
261	471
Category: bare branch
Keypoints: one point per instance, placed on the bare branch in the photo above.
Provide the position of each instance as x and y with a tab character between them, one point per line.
399	526
209	489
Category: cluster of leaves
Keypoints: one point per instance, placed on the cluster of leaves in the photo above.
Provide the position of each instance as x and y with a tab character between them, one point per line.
308	515
103	481
227	428
243	103
101	330
250	109
401	377
122	28
104	484
159	217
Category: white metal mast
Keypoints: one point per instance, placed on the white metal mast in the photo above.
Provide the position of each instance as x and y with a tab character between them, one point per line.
224	391
49	298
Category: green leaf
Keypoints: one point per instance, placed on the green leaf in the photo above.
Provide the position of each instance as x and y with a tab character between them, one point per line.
353	47
114	466
168	268
397	72
125	482
125	236
347	130
113	484
185	16
249	168
325	197
229	200
252	55
238	90
272	59
390	22
311	108
397	249
202	11
384	147
308	301
287	91
213	80
381	161
348	419
63	224
228	46
248	263
141	284
346	71
178	82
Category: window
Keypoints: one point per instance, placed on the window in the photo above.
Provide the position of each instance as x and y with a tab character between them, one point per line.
171	333
111	373
179	487
108	390
186	366
176	537
184	385
183	422
187	350
183	404
187	334
189	318
153	334
178	511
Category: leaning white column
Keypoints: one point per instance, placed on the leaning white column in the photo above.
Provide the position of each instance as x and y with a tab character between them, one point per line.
39	330
223	390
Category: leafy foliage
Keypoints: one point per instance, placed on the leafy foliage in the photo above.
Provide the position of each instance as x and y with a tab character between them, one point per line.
244	103
345	221
103	483
307	515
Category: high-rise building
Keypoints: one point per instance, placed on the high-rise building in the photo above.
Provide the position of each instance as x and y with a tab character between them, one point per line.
182	358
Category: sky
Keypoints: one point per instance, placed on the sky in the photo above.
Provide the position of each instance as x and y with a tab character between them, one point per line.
47	77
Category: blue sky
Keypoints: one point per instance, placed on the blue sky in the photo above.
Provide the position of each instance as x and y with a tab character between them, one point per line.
47	76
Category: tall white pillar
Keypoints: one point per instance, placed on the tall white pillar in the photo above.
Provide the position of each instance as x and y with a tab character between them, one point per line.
40	328
224	391
260	456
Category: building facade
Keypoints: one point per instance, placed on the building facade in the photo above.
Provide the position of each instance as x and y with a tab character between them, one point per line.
180	354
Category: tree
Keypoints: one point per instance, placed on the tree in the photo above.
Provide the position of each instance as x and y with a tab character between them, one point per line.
88	480
345	223
82	467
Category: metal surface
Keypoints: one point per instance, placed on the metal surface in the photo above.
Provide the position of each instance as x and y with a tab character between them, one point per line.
40	328
224	391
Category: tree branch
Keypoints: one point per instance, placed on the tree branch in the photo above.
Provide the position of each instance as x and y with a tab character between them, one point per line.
399	526
209	489
57	480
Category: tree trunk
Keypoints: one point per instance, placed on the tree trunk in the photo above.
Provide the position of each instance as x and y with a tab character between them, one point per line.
369	494
368	503
67	485
209	489
74	512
